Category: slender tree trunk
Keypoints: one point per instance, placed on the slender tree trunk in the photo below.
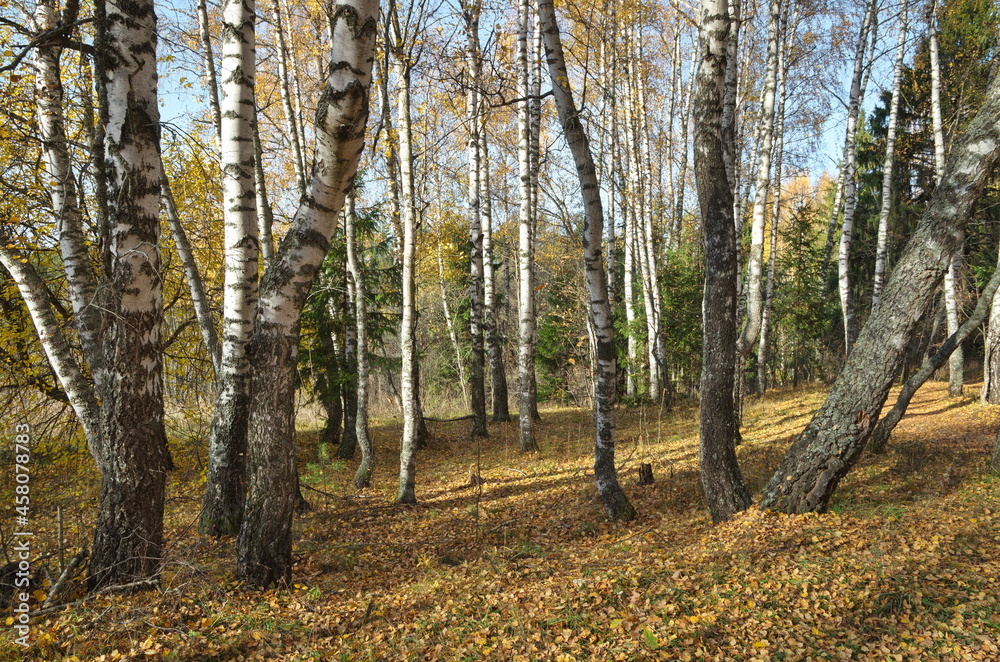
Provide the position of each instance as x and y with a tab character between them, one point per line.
477	386
956	362
208	59
222	506
850	187
349	388
264	544
128	536
363	475
616	503
192	275
79	390
291	117
890	160
494	347
887	424
459	364
526	295
721	480
779	137
990	393
755	260
536	55
832	441
265	215
682	171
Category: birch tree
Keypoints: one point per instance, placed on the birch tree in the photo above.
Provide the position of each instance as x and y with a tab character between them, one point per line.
721	480
834	438
363	475
890	160
616	503
264	544
222	506
128	536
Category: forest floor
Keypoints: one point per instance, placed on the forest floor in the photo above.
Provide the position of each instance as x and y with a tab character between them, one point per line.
526	567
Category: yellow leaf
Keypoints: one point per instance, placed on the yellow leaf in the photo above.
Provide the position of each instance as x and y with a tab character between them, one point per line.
760	644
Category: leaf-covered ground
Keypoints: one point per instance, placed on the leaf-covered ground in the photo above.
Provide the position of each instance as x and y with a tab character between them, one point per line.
525	567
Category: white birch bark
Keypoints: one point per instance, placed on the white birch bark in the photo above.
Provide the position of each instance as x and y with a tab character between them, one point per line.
755	259
616	503
264	544
363	475
450	324
128	537
526	287
494	346
850	186
208	59
291	116
882	249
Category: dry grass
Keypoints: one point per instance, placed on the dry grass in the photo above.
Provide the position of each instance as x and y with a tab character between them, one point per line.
526	567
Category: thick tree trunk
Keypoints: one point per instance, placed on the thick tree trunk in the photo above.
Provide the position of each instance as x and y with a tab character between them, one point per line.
890	160
721	480
616	503
887	424
264	542
526	289
363	475
831	443
128	536
477	376
222	506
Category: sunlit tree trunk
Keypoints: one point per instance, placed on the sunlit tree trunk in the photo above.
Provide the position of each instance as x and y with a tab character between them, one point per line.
990	393
526	295
882	250
264	544
128	536
616	503
222	506
721	480
363	475
755	260
850	186
833	440
450	324
291	117
477	386
494	346
208	59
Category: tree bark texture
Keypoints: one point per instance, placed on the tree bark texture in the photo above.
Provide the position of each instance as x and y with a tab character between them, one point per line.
128	536
363	475
721	480
264	542
832	441
616	503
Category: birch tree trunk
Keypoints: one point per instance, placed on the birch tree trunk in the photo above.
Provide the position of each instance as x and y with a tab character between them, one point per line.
494	347
779	137
291	117
990	393
833	440
755	260
526	289
211	79
128	536
956	362
470	12
264	544
890	159
850	187
363	475
222	506
721	479
616	503
450	324
888	422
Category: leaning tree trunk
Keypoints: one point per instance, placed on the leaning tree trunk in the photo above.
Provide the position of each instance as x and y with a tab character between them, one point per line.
616	503
363	475
721	480
890	160
128	536
477	365
264	544
526	289
888	423
833	440
222	506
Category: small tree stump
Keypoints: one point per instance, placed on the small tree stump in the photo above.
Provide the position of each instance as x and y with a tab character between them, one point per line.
645	473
